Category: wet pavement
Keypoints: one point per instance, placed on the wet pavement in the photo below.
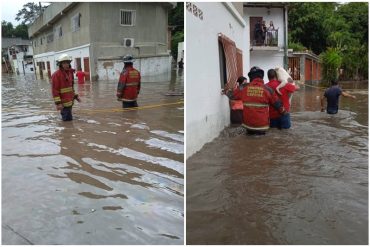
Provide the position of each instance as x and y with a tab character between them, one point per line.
306	185
110	176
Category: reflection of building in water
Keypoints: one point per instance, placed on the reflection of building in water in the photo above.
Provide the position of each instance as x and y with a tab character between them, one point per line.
97	34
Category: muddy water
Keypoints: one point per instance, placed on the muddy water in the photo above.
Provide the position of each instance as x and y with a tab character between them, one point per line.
108	177
306	185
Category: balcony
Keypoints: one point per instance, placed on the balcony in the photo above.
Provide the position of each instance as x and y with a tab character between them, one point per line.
265	40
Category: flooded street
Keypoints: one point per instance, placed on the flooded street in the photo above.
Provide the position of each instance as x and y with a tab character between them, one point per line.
111	176
305	185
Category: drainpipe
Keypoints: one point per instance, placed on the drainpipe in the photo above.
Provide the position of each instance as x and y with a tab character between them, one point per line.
285	9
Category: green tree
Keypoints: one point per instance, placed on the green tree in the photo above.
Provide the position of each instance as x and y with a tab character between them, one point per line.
21	31
331	62
7	29
29	12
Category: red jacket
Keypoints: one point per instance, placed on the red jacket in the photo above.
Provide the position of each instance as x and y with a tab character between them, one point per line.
286	92
62	87
129	84
256	99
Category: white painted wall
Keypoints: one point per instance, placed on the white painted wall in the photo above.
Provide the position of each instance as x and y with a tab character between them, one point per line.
207	111
149	67
52	57
267	59
180	51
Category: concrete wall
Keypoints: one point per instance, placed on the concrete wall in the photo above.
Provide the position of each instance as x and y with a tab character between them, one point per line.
69	39
150	67
180	51
207	111
267	60
76	52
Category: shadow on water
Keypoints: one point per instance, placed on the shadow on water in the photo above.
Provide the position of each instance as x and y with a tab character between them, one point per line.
306	185
108	177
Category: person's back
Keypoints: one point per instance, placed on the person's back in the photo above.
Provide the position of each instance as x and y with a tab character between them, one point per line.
332	95
128	87
257	98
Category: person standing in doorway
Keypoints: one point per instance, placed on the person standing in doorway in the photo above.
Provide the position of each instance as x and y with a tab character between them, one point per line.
62	87
181	63
332	97
128	87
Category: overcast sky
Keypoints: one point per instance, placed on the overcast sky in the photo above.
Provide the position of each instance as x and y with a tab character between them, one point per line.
10	8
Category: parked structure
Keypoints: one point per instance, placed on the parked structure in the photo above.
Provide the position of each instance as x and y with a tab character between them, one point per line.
305	67
272	51
217	53
98	34
17	56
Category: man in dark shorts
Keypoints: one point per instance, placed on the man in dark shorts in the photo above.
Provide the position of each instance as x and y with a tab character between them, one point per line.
332	97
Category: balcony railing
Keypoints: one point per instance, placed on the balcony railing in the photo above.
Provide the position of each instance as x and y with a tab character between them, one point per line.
268	38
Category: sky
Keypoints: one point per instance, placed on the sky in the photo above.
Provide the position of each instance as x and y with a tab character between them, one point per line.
9	9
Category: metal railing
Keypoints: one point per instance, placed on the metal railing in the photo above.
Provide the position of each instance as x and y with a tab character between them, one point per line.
268	38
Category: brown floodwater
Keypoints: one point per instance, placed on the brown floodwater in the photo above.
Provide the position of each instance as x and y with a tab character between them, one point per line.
305	185
108	177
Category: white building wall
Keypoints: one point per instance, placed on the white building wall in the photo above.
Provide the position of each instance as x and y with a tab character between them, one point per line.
149	67
207	111
267	60
52	57
180	51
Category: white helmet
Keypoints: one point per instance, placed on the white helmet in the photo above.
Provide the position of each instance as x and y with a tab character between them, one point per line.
64	57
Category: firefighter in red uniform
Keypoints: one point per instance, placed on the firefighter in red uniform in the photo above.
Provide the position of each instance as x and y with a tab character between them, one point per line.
62	87
256	99
128	86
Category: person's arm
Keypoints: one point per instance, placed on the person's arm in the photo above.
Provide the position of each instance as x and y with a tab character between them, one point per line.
55	91
348	95
275	102
322	102
139	85
121	85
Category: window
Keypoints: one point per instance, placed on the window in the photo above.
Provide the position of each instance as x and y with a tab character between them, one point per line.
50	38
58	31
128	17
76	24
40	41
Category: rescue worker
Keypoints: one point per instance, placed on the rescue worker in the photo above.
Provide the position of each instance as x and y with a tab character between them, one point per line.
257	98
332	96
277	120
128	87
236	106
62	87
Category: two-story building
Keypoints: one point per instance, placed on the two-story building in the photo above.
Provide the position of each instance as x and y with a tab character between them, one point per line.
268	44
97	34
17	55
225	43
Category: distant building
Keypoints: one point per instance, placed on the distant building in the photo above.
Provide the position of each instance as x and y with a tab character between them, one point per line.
180	51
98	34
305	67
17	55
